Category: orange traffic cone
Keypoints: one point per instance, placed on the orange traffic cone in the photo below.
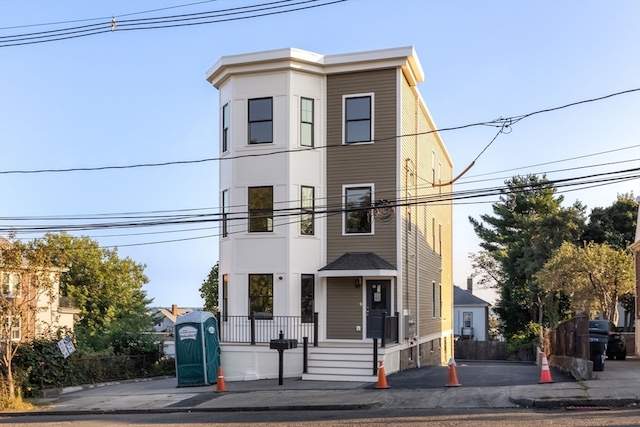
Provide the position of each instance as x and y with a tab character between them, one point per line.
453	377
382	377
220	385
545	373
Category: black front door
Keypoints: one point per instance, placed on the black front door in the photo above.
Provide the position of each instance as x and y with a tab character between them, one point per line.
378	302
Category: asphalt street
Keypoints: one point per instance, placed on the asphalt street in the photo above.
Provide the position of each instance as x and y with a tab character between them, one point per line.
473	373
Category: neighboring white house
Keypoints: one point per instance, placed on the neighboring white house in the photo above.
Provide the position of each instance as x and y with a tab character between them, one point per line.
471	315
50	311
163	323
335	221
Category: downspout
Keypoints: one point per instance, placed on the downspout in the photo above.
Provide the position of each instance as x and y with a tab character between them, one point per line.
417	248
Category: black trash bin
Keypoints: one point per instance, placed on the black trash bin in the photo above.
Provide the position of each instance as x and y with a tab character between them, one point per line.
598	339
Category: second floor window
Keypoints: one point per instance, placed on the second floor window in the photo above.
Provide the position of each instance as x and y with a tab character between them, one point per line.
225	213
306	210
467	319
260	209
306	122
225	128
11	285
358	119
13	325
357	210
260	121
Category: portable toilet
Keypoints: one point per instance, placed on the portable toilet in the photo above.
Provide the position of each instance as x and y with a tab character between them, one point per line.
197	349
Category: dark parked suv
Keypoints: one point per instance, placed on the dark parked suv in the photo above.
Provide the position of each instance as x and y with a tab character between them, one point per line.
605	341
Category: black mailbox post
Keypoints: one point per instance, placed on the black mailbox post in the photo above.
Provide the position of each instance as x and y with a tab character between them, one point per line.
282	344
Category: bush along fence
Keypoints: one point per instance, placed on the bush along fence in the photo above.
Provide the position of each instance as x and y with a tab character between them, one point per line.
42	366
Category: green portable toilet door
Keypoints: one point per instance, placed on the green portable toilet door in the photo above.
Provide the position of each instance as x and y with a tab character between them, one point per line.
212	349
189	354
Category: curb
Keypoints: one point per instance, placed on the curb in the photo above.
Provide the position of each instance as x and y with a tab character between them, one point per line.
574	402
54	392
331	407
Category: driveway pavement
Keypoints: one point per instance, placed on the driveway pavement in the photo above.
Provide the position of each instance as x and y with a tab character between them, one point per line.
483	385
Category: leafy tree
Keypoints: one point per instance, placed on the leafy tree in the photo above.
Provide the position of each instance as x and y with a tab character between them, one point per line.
527	225
106	288
596	276
27	288
614	225
487	269
209	290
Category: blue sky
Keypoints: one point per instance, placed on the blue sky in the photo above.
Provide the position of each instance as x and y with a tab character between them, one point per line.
140	97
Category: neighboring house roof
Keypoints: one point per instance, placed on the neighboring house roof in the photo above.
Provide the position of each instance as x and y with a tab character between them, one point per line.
359	263
464	297
173	316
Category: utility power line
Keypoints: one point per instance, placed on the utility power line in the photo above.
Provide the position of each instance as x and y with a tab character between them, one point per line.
501	123
113	24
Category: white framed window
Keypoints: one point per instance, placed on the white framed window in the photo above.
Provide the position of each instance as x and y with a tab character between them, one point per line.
307	297
225	128
225	297
433	299
11	285
225	213
433	166
467	319
357	218
358	118
13	325
433	233
306	122
261	121
440	298
261	295
260	209
307	206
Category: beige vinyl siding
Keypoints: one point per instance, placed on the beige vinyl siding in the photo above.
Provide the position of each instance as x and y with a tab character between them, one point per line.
434	261
362	163
344	309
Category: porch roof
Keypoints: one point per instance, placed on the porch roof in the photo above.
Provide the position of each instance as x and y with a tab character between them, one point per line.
358	264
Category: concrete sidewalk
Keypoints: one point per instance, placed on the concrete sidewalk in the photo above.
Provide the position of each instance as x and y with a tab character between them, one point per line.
612	388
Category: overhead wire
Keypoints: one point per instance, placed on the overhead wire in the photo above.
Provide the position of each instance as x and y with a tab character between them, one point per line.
107	17
498	122
590	179
114	25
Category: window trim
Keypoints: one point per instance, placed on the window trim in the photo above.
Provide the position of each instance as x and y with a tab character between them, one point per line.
433	299
371	188
371	96
464	320
307	211
304	122
225	212
225	297
11	292
263	213
224	125
267	315
307	317
249	121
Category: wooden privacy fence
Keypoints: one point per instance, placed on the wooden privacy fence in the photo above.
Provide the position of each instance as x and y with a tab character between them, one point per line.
570	338
480	350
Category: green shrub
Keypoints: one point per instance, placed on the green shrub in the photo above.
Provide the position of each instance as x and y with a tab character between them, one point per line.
522	345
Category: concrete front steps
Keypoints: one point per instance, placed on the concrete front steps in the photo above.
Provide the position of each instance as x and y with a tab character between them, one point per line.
342	362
